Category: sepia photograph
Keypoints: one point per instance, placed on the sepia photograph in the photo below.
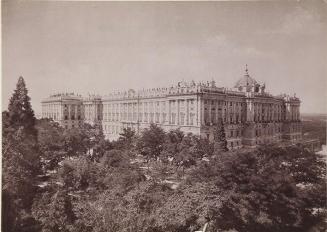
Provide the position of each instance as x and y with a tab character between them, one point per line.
163	116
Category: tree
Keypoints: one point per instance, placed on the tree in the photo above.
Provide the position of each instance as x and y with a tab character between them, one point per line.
51	143
20	158
188	208
171	145
160	172
79	174
9	216
54	211
5	123
204	147
19	123
134	211
220	142
127	135
126	140
117	170
20	110
151	142
187	152
98	145
262	191
115	159
77	141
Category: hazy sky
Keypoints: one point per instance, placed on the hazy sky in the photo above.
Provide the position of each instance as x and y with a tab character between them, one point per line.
99	47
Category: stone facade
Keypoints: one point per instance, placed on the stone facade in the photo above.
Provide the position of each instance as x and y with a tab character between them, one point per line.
66	109
250	115
93	110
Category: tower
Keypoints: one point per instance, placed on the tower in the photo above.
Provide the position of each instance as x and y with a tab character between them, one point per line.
250	86
247	83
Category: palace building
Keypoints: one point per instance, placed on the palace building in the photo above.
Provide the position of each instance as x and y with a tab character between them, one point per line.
250	115
66	109
93	109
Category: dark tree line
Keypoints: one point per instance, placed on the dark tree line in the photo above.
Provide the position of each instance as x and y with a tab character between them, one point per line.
57	179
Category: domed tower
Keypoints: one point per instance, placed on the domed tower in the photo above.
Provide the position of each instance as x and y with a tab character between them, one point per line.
250	86
247	83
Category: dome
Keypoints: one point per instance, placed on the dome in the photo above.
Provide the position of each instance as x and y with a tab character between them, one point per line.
246	80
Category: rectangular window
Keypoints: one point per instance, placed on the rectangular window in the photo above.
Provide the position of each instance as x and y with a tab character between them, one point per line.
145	117
206	116
163	117
182	118
157	117
173	118
191	119
213	116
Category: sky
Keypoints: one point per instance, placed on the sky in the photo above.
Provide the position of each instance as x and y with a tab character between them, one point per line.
101	47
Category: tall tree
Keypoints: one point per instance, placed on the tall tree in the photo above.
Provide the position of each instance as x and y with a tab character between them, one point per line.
20	111
20	159
220	142
19	132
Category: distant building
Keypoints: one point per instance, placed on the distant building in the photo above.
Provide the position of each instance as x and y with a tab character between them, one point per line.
93	109
250	115
66	109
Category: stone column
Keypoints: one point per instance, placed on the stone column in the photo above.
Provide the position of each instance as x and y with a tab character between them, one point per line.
202	111
198	111
178	112
249	110
209	111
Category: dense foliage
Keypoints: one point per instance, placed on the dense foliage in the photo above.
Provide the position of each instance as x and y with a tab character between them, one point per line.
20	160
57	179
